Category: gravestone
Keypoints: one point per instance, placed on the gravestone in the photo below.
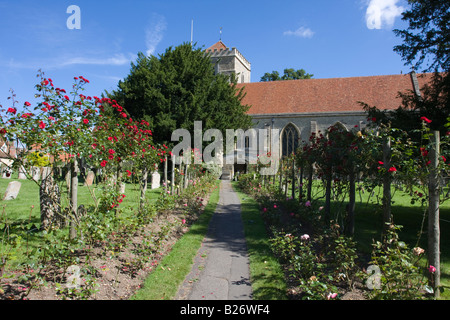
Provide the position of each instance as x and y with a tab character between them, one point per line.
7	173
156	180
22	173
90	178
36	173
12	191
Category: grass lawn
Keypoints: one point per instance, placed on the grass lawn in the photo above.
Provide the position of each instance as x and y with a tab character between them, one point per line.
266	274
368	225
19	211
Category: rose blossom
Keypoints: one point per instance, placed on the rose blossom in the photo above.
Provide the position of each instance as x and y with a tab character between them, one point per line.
305	237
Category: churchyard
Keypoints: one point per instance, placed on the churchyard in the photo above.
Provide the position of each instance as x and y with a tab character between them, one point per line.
352	214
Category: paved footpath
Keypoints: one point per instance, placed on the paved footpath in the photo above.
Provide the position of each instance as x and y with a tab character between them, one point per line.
221	267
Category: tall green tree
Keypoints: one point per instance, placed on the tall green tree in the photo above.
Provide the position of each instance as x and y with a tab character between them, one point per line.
289	74
178	87
425	47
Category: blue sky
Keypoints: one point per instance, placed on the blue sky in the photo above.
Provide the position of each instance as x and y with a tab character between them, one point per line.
328	38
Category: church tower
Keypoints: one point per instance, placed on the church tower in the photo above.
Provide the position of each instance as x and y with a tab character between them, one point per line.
229	61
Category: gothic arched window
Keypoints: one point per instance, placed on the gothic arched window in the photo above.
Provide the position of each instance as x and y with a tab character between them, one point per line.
289	140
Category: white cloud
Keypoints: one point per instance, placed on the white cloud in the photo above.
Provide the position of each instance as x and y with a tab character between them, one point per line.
117	60
382	13
61	62
154	33
301	32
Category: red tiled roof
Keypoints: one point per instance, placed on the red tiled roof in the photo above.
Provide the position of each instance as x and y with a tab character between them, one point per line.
327	95
218	45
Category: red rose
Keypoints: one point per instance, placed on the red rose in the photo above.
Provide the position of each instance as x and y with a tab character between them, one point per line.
85	121
41	125
103	163
27	104
425	119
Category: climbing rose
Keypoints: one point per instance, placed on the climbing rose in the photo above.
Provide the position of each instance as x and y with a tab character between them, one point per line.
425	119
331	296
41	125
103	163
304	237
431	269
392	169
418	251
85	121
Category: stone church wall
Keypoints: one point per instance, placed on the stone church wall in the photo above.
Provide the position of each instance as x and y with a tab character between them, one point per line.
312	122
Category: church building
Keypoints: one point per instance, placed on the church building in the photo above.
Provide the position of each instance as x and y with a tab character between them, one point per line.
299	108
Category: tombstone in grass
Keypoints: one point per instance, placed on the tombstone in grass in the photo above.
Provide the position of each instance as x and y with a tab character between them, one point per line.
12	191
156	180
22	173
36	173
7	172
90	179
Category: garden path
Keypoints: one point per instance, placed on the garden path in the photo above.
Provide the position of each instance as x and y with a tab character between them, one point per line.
221	266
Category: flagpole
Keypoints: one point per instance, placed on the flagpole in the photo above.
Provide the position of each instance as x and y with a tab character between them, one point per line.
192	31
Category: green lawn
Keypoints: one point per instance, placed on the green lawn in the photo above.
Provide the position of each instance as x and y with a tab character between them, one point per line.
19	212
19	208
368	224
266	274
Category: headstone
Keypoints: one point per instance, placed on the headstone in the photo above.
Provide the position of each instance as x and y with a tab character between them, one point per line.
22	173
6	173
73	277
156	179
36	173
90	178
12	191
122	187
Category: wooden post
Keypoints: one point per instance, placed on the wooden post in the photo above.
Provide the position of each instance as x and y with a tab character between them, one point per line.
293	178
186	177
300	185
143	188
310	182
173	175
73	198
327	209
351	204
165	172
387	196
281	175
433	215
